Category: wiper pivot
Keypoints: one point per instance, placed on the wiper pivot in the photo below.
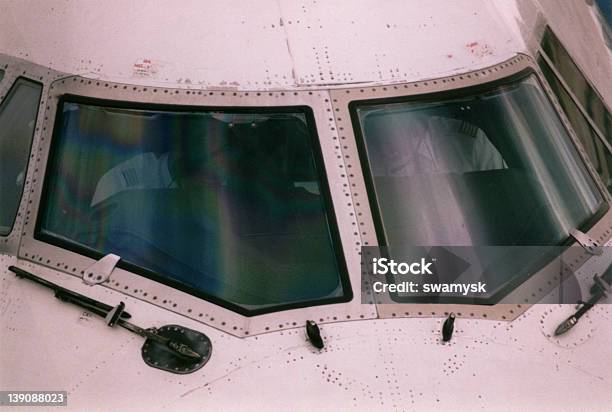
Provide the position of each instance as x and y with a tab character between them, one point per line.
172	348
600	289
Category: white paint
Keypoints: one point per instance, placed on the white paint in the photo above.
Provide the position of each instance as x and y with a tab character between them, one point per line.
257	45
394	364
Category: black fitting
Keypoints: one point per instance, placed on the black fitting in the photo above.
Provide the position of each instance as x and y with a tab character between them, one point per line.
314	334
113	316
448	327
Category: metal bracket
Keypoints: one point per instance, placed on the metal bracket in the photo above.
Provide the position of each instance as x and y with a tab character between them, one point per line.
586	242
100	271
114	314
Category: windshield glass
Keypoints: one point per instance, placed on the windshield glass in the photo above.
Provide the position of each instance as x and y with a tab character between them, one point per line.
496	168
598	153
17	124
487	169
230	206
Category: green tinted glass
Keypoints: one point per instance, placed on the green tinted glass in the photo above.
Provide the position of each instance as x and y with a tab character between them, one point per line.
17	123
226	205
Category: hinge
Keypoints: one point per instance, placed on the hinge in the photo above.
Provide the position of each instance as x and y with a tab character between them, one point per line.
100	271
588	243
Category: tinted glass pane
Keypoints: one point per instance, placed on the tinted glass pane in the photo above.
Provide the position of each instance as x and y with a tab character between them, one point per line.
598	153
229	205
17	123
578	84
495	168
605	7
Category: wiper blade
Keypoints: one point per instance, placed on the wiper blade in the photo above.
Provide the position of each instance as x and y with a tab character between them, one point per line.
84	301
600	289
570	322
113	318
117	316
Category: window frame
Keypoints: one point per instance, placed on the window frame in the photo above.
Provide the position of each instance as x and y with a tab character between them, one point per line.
129	283
346	184
157	277
13	68
436	97
526	290
547	61
8	94
549	64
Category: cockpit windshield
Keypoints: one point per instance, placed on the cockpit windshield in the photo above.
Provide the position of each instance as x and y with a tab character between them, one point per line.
18	113
493	168
228	205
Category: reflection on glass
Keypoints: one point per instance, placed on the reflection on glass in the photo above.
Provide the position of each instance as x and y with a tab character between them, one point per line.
494	168
17	122
604	14
596	150
227	204
578	84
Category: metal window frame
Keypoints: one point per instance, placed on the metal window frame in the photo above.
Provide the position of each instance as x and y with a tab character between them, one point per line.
528	291
150	274
600	139
345	180
9	93
173	299
570	93
540	51
15	68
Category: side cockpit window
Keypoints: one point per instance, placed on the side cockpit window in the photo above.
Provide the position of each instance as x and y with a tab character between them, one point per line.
18	113
1	75
227	205
584	108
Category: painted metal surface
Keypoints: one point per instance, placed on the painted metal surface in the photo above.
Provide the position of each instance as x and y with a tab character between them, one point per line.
288	43
285	47
393	364
260	45
525	293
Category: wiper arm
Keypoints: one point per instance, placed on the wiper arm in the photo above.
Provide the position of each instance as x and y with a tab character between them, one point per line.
599	290
84	301
117	316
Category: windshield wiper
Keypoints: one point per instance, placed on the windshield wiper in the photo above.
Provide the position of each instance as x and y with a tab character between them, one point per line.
600	289
90	304
186	350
